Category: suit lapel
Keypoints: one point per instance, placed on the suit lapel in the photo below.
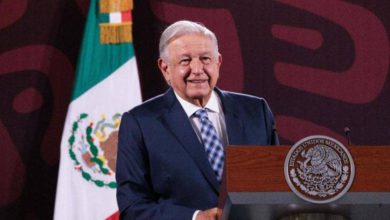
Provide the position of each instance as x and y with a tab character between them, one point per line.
234	124
177	121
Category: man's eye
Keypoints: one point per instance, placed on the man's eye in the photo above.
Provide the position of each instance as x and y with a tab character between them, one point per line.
184	62
206	60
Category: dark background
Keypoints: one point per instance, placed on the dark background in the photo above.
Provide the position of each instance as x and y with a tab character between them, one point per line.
322	65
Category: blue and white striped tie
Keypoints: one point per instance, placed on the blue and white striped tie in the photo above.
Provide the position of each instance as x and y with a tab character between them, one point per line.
211	142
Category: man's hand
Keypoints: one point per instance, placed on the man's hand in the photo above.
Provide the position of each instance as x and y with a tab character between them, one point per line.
209	214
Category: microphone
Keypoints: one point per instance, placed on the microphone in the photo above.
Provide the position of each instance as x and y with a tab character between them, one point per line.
275	136
347	132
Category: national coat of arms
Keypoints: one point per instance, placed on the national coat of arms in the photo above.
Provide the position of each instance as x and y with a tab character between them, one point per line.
93	148
319	169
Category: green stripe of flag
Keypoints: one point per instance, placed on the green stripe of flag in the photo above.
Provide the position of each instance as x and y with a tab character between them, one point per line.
97	61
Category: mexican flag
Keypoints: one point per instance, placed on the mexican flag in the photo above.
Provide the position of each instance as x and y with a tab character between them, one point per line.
106	85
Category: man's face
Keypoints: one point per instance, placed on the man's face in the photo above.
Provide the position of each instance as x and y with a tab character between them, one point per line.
192	68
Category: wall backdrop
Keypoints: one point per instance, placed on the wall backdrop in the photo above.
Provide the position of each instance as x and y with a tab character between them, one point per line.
322	65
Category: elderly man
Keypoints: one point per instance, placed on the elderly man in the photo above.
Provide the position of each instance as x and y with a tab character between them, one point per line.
170	151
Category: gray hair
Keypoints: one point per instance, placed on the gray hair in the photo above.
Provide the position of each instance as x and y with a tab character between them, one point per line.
181	28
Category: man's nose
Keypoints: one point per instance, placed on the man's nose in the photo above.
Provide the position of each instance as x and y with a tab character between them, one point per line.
196	66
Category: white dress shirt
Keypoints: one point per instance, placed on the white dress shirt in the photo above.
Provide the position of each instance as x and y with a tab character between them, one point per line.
215	114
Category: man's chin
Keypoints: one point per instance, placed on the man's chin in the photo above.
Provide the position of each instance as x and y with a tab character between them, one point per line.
200	96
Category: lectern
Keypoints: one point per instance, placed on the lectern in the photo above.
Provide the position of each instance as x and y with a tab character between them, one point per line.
254	186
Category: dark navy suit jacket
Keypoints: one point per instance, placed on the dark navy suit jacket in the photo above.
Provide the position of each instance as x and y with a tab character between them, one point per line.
162	168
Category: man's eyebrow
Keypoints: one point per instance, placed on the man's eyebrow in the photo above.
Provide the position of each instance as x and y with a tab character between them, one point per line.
208	53
184	56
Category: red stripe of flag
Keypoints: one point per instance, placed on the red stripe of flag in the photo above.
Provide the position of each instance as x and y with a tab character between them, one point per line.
126	16
114	216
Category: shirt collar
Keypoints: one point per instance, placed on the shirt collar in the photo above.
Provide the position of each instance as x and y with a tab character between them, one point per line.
212	105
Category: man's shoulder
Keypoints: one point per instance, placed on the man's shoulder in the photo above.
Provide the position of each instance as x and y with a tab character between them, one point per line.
150	107
241	97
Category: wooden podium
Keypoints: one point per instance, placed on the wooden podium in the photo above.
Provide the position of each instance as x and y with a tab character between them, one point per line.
254	186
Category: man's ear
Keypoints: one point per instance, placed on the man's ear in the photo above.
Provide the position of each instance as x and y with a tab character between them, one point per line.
219	60
163	66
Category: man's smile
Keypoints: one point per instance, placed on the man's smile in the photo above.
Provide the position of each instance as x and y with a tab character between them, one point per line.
197	80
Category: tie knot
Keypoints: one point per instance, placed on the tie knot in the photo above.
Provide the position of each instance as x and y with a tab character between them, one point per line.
201	113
